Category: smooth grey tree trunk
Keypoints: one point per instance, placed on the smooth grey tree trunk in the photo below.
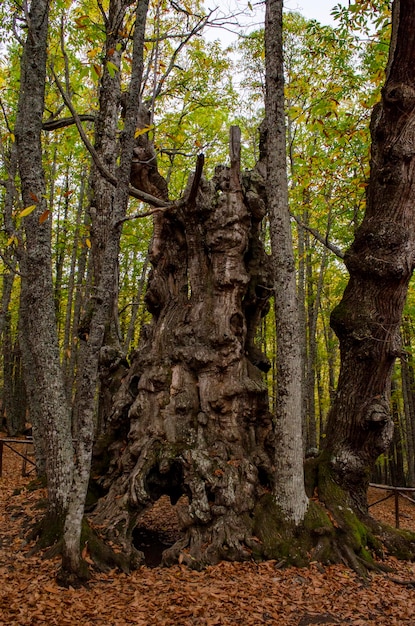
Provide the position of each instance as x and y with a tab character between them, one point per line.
289	490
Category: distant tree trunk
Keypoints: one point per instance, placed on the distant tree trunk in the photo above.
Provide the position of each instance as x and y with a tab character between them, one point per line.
136	306
61	248
408	393
75	281
192	415
289	489
398	473
14	397
380	262
39	344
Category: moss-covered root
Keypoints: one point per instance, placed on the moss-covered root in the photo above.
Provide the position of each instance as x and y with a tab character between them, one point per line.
359	538
314	540
396	542
328	535
96	554
47	533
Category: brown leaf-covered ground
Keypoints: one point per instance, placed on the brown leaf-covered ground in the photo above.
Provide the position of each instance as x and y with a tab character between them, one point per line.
246	594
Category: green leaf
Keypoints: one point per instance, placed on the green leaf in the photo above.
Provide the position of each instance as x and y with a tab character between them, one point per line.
112	69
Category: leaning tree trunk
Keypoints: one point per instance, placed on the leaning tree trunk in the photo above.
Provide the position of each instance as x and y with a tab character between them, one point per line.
380	262
192	416
73	566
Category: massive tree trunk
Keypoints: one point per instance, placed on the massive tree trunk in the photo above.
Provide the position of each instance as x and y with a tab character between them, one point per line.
192	415
380	262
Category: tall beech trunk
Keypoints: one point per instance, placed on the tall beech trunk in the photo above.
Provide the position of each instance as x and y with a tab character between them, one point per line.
380	262
39	343
192	414
289	488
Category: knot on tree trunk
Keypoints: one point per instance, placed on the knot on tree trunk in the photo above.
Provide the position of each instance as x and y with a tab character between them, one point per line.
376	414
399	96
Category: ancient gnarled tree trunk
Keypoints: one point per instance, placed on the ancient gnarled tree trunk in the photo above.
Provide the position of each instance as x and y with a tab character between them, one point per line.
380	262
192	415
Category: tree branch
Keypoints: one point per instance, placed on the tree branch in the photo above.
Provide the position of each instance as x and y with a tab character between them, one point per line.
323	240
135	193
63	122
188	199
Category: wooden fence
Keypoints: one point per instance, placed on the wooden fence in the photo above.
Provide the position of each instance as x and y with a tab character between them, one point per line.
10	443
395	493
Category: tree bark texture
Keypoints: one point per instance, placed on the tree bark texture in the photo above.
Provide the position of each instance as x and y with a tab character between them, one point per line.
40	349
105	296
289	480
192	415
380	262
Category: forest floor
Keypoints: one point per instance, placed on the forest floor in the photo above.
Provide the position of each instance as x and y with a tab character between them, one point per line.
246	594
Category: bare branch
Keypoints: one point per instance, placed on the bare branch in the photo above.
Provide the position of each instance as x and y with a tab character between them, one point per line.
323	240
188	199
135	193
104	15
63	122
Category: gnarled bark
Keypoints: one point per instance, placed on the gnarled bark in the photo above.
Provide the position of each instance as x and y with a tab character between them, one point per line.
380	262
193	409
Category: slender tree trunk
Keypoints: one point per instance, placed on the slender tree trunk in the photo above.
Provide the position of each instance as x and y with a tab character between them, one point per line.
136	306
83	287
40	348
85	405
289	482
71	320
60	248
408	393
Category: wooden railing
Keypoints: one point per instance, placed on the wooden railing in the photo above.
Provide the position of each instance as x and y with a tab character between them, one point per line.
396	492
9	443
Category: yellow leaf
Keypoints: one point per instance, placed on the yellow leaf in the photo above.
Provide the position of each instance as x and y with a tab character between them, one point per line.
93	52
12	239
143	131
88	243
27	211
